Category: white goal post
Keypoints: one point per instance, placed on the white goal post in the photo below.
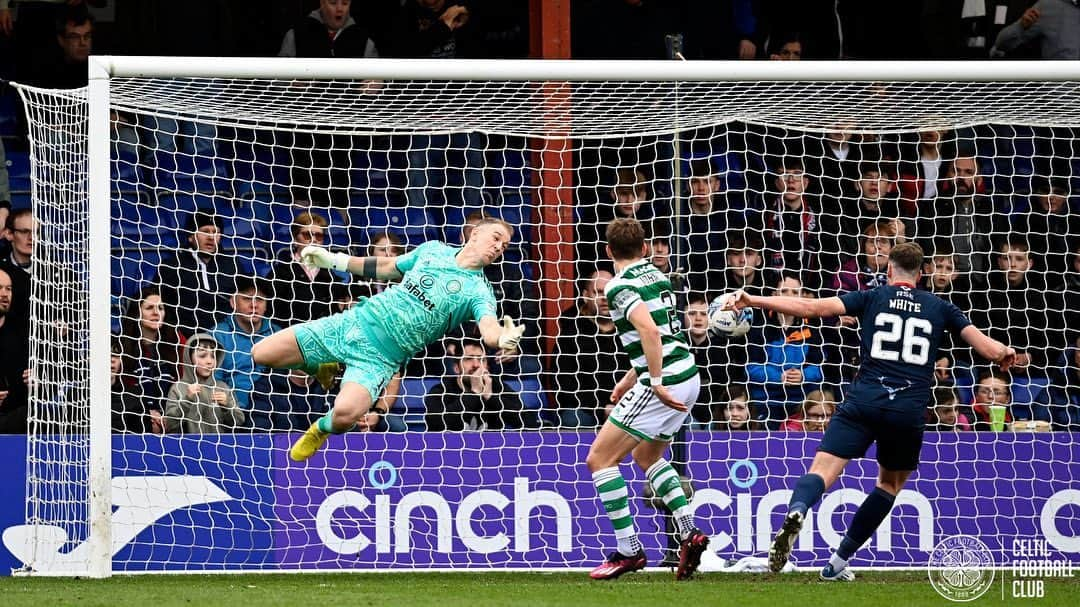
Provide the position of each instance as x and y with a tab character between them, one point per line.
611	102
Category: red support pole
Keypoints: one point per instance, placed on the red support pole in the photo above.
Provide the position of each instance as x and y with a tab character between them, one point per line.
554	175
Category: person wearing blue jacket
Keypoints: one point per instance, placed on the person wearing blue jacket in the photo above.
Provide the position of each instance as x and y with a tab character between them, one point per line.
785	358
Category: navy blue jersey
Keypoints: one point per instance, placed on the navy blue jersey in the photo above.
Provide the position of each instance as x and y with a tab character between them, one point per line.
902	329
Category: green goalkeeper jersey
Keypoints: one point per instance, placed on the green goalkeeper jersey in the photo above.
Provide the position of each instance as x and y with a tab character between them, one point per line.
434	297
642	283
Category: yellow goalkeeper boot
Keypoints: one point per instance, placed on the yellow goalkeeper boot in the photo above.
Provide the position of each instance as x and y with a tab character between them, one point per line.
308	444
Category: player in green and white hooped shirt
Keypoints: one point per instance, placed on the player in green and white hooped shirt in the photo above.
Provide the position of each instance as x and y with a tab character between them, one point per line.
441	287
653	400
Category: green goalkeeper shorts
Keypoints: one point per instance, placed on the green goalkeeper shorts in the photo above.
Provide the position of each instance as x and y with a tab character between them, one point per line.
340	338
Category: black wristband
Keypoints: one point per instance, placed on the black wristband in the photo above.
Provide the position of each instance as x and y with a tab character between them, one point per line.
370	268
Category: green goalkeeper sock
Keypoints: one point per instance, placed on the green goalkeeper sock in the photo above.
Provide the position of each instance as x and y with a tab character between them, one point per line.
667	486
326	424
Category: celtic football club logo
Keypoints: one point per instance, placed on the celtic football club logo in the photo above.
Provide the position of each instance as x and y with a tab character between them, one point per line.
961	568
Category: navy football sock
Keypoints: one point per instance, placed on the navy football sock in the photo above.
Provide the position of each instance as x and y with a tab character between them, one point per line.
873	510
807	492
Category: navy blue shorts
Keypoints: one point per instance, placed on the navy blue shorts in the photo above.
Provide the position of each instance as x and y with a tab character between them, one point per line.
898	433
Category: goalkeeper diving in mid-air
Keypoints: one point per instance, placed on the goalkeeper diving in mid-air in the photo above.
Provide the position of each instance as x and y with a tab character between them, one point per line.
441	287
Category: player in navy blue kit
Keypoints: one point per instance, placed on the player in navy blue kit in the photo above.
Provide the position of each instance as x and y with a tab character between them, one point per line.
902	328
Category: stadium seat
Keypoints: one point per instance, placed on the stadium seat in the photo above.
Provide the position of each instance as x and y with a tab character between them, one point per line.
137	222
18	170
131	269
533	397
414	225
410	402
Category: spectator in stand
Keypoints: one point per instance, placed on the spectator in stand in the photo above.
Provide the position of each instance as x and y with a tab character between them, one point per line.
992	388
817	409
946	416
195	284
965	216
62	65
942	279
922	166
199	403
1022	309
629	197
128	411
474	399
789	224
429	28
842	218
14	363
787	47
785	357
328	31
302	293
867	271
19	231
834	160
1060	402
745	267
1048	225
732	413
151	349
288	401
238	333
705	228
1053	24
660	255
721	360
587	360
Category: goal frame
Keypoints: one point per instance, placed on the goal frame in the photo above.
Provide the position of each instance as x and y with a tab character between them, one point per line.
103	68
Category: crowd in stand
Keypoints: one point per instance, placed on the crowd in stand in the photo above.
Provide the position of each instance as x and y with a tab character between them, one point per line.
772	211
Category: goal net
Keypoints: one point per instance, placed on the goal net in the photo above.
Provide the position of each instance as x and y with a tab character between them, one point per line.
164	448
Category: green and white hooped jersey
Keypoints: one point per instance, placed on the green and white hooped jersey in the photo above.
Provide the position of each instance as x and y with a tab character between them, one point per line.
641	282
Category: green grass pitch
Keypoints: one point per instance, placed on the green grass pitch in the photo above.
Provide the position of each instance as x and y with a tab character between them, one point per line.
885	589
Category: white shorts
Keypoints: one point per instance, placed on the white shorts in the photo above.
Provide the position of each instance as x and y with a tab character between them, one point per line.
641	414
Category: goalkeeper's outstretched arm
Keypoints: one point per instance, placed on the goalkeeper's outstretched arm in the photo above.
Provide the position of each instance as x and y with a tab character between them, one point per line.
501	336
379	268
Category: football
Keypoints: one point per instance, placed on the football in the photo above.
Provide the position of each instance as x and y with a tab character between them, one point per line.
728	322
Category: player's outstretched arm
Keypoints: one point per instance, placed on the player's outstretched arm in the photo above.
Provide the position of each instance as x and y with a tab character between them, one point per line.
501	336
379	268
988	347
799	307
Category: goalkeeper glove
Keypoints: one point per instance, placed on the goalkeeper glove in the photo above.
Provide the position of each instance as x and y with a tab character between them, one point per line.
318	257
510	335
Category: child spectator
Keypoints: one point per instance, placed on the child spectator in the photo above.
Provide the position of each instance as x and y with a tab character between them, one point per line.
946	416
732	414
199	403
817	410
